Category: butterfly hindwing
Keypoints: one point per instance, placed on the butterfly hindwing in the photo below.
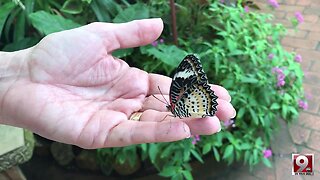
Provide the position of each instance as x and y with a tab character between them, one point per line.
200	101
190	95
197	101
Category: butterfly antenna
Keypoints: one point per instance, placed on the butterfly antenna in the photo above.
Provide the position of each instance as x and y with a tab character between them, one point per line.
159	99
162	95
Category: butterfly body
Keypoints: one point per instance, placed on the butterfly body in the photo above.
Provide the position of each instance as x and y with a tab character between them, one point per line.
190	94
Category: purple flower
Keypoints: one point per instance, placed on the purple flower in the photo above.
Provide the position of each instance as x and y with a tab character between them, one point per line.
280	76
228	123
276	70
298	58
246	9
302	104
299	17
273	3
154	43
271	56
280	83
161	40
267	153
195	139
221	1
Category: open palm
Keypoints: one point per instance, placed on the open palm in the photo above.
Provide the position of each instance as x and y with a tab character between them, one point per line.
76	92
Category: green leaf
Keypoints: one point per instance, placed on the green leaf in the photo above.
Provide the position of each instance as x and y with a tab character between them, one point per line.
245	146
134	12
29	4
168	54
258	141
169	170
10	22
254	116
47	23
143	147
287	97
101	14
293	110
121	158
72	7
228	151
255	156
153	152
19	30
267	162
216	154
21	44
167	151
4	12
196	155
228	83
87	1
284	111
275	106
246	79
187	175
231	45
247	155
186	154
120	53
241	112
236	52
206	148
108	8
177	176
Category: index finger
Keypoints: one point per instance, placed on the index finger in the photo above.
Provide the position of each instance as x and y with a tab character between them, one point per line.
127	35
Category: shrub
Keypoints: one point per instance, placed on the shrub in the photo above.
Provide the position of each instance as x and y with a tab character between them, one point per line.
239	49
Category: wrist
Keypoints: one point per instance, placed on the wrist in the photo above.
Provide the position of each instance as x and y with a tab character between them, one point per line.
13	70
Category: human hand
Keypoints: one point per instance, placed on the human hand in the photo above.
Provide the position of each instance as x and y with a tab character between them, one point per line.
71	89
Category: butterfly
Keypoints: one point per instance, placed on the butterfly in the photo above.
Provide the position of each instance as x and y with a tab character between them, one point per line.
190	93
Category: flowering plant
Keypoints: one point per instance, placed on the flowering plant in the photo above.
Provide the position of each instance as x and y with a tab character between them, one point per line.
241	51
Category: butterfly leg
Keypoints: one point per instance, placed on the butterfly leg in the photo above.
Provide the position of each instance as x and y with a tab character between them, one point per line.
169	120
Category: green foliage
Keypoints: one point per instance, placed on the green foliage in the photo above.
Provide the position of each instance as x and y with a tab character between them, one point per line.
233	45
133	12
4	12
47	23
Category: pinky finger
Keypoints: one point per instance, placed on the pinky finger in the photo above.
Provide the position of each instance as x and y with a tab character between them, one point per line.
135	132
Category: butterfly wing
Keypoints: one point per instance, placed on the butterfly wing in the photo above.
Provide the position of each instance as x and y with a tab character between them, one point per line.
187	73
198	101
190	95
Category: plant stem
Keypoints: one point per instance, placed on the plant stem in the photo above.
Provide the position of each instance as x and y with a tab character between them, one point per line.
174	22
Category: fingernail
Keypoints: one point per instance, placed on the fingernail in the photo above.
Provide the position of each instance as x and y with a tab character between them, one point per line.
187	129
234	113
229	99
219	129
189	136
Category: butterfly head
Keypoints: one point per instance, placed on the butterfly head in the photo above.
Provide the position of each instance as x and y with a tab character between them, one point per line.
170	107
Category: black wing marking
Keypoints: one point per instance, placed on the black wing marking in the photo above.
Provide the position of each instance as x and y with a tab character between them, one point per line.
187	73
197	101
190	86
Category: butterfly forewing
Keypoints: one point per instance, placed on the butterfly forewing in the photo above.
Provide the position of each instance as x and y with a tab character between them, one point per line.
190	94
187	73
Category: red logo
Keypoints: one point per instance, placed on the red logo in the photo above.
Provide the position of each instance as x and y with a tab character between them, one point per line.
302	164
